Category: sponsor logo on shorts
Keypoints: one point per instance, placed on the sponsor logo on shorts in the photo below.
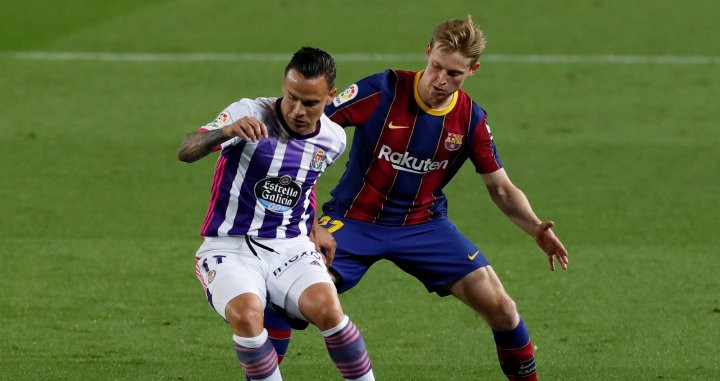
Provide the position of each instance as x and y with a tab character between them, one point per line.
472	257
346	95
277	194
294	259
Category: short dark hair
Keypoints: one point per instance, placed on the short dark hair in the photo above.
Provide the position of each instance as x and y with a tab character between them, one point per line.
313	63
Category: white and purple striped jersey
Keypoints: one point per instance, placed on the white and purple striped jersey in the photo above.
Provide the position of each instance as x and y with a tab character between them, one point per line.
264	189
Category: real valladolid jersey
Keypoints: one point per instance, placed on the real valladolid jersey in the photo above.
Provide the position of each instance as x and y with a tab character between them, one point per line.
404	152
264	189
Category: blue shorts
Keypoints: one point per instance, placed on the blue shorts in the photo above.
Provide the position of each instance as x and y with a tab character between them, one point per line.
435	253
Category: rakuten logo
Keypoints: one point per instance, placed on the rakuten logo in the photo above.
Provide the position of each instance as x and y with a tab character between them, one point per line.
407	163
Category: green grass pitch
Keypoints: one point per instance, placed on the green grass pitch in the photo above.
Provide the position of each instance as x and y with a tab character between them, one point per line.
99	221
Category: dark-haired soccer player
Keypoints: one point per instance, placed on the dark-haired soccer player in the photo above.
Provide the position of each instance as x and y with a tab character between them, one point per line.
256	245
414	132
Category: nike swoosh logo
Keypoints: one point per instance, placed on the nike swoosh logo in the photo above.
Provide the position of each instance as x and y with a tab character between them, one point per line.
392	126
472	257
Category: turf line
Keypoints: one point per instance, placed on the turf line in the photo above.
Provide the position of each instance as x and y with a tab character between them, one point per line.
352	57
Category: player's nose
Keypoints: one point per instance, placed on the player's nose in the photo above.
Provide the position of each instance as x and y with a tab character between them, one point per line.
442	78
297	109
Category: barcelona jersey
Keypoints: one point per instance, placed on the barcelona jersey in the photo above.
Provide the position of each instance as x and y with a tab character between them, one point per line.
403	151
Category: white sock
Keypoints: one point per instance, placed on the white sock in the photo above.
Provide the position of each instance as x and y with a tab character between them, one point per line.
343	323
251	342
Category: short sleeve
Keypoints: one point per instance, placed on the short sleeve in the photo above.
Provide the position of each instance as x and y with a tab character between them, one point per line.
230	114
354	105
483	152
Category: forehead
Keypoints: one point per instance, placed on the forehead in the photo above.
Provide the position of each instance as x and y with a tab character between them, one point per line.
300	86
449	59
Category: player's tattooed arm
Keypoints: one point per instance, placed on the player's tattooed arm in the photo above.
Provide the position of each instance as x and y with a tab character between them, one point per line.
199	144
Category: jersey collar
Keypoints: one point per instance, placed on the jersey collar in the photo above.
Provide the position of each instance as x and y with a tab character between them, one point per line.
426	108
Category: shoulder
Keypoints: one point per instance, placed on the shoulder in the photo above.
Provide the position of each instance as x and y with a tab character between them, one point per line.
366	87
333	130
256	108
471	109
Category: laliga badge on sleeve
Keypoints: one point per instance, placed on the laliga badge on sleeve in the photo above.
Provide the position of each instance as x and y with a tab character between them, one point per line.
222	119
347	95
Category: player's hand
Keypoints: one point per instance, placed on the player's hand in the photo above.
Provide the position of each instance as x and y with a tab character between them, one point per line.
246	128
551	245
324	243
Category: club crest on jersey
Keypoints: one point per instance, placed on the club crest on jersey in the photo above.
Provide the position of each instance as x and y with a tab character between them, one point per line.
317	159
277	194
453	141
211	276
347	95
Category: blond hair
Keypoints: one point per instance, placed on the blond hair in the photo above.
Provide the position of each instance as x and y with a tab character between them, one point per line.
460	35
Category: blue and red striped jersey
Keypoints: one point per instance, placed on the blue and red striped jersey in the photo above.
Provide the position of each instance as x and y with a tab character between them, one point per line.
403	151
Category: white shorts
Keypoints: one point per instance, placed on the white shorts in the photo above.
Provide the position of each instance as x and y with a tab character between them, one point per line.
278	270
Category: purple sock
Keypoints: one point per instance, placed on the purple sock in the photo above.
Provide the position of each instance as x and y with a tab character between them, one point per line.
347	350
260	362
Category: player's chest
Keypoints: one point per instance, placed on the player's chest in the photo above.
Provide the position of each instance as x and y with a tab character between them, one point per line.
421	135
290	157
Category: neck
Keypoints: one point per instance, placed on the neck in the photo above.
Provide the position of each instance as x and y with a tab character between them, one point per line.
304	130
435	103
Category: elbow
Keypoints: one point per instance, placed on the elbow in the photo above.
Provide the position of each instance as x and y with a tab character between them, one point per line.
184	156
497	191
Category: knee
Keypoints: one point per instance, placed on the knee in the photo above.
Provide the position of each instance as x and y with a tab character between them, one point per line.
245	315
321	307
504	315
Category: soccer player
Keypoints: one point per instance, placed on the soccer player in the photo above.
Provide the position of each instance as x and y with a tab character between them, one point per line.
256	248
414	130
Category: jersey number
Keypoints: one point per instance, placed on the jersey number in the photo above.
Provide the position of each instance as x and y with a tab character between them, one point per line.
331	225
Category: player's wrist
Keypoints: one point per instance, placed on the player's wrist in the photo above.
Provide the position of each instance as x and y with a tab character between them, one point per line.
227	132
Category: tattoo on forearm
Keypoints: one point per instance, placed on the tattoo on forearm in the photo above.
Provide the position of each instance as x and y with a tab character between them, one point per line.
199	144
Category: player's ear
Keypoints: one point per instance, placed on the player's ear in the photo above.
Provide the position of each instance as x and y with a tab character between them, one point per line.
474	68
331	96
428	49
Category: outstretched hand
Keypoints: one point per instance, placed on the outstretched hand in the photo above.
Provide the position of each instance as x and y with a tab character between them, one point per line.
551	245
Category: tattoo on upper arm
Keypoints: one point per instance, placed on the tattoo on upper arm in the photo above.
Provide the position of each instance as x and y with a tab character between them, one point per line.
199	144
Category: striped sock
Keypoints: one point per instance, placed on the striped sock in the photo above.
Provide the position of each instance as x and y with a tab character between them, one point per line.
279	332
258	357
516	354
347	350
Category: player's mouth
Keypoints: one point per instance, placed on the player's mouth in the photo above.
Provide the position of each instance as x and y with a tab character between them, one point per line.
439	90
300	123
